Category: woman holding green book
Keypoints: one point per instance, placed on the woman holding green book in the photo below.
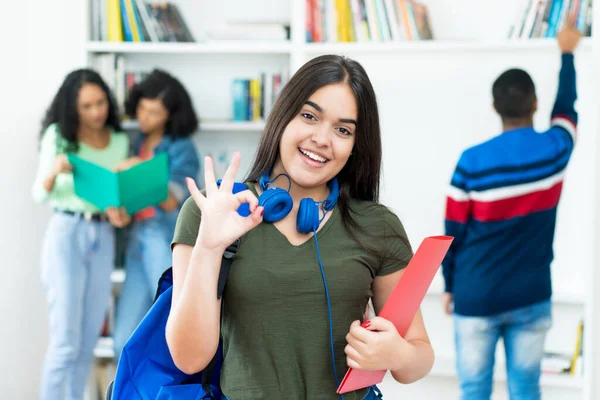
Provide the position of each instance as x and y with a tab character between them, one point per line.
79	245
165	113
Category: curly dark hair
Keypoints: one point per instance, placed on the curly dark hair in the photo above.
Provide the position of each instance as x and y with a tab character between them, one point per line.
63	109
161	85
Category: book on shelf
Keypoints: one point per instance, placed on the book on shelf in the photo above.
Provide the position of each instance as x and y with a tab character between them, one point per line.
366	21
556	363
253	98
137	21
576	368
111	67
545	18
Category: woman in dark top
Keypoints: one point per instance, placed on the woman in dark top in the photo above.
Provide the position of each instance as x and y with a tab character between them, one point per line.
296	292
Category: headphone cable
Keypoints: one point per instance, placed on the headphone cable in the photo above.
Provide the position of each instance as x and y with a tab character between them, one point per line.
335	375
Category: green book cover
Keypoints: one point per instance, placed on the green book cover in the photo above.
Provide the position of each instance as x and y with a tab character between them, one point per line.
145	184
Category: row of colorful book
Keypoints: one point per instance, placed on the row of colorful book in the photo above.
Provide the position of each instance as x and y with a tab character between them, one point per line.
366	21
253	98
545	18
137	21
111	67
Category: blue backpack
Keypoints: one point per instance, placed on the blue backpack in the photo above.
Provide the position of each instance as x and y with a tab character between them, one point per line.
146	370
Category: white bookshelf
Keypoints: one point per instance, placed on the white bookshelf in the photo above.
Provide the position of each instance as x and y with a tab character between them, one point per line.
234	48
436	46
214	126
422	88
222	47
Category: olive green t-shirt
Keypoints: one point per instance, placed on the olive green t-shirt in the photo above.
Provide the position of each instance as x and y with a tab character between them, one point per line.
275	325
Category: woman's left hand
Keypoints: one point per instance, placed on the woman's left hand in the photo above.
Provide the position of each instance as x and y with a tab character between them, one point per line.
377	346
118	217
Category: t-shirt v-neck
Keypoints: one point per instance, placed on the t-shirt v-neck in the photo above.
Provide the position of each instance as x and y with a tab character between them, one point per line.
275	323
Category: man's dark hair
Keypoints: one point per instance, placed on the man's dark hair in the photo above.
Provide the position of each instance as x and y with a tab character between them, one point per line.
514	94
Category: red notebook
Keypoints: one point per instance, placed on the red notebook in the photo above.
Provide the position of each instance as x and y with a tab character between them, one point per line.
404	302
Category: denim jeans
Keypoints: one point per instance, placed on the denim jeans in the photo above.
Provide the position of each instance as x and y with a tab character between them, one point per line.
148	255
77	259
523	331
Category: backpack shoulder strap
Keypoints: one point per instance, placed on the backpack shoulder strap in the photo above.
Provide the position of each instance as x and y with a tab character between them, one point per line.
225	266
208	372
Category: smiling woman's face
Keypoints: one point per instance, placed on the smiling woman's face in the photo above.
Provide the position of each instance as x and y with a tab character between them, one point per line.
317	142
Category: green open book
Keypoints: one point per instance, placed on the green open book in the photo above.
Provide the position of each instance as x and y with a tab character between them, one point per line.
145	184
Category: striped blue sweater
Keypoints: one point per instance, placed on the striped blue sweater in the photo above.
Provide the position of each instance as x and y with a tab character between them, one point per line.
501	209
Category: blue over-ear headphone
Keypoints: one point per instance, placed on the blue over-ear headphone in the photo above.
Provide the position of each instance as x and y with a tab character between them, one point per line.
278	203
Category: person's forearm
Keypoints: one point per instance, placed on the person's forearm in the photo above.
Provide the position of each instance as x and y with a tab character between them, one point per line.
170	204
567	87
418	364
193	327
49	182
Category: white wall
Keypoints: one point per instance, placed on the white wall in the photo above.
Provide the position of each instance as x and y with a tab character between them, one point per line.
41	41
592	361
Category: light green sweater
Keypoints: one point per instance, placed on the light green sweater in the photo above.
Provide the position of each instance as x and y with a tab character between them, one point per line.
63	195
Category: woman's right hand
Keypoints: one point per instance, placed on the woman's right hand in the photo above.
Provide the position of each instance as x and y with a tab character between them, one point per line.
127	163
221	225
61	164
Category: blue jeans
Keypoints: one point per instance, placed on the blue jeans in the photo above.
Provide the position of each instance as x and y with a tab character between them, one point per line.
148	255
523	331
77	259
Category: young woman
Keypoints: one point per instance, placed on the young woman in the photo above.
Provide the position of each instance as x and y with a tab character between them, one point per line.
79	245
275	320
166	117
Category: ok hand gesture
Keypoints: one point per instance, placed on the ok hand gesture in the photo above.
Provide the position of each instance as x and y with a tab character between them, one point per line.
221	225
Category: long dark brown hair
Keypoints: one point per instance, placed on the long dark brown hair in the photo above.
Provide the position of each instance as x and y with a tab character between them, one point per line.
359	178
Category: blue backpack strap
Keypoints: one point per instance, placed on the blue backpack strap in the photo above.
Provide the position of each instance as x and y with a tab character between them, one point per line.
209	371
165	282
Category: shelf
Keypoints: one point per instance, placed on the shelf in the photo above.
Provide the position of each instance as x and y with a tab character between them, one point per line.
252	47
439	45
571	299
445	367
104	348
224	47
117	275
214	126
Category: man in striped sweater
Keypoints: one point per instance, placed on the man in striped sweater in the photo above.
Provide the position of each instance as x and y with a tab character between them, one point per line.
501	209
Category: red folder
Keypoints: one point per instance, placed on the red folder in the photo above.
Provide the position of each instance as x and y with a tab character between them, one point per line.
403	303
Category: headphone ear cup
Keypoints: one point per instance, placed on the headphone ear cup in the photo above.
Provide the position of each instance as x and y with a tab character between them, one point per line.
277	204
308	216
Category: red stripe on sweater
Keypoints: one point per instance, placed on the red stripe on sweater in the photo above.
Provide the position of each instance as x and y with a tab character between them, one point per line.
517	206
457	211
563	116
